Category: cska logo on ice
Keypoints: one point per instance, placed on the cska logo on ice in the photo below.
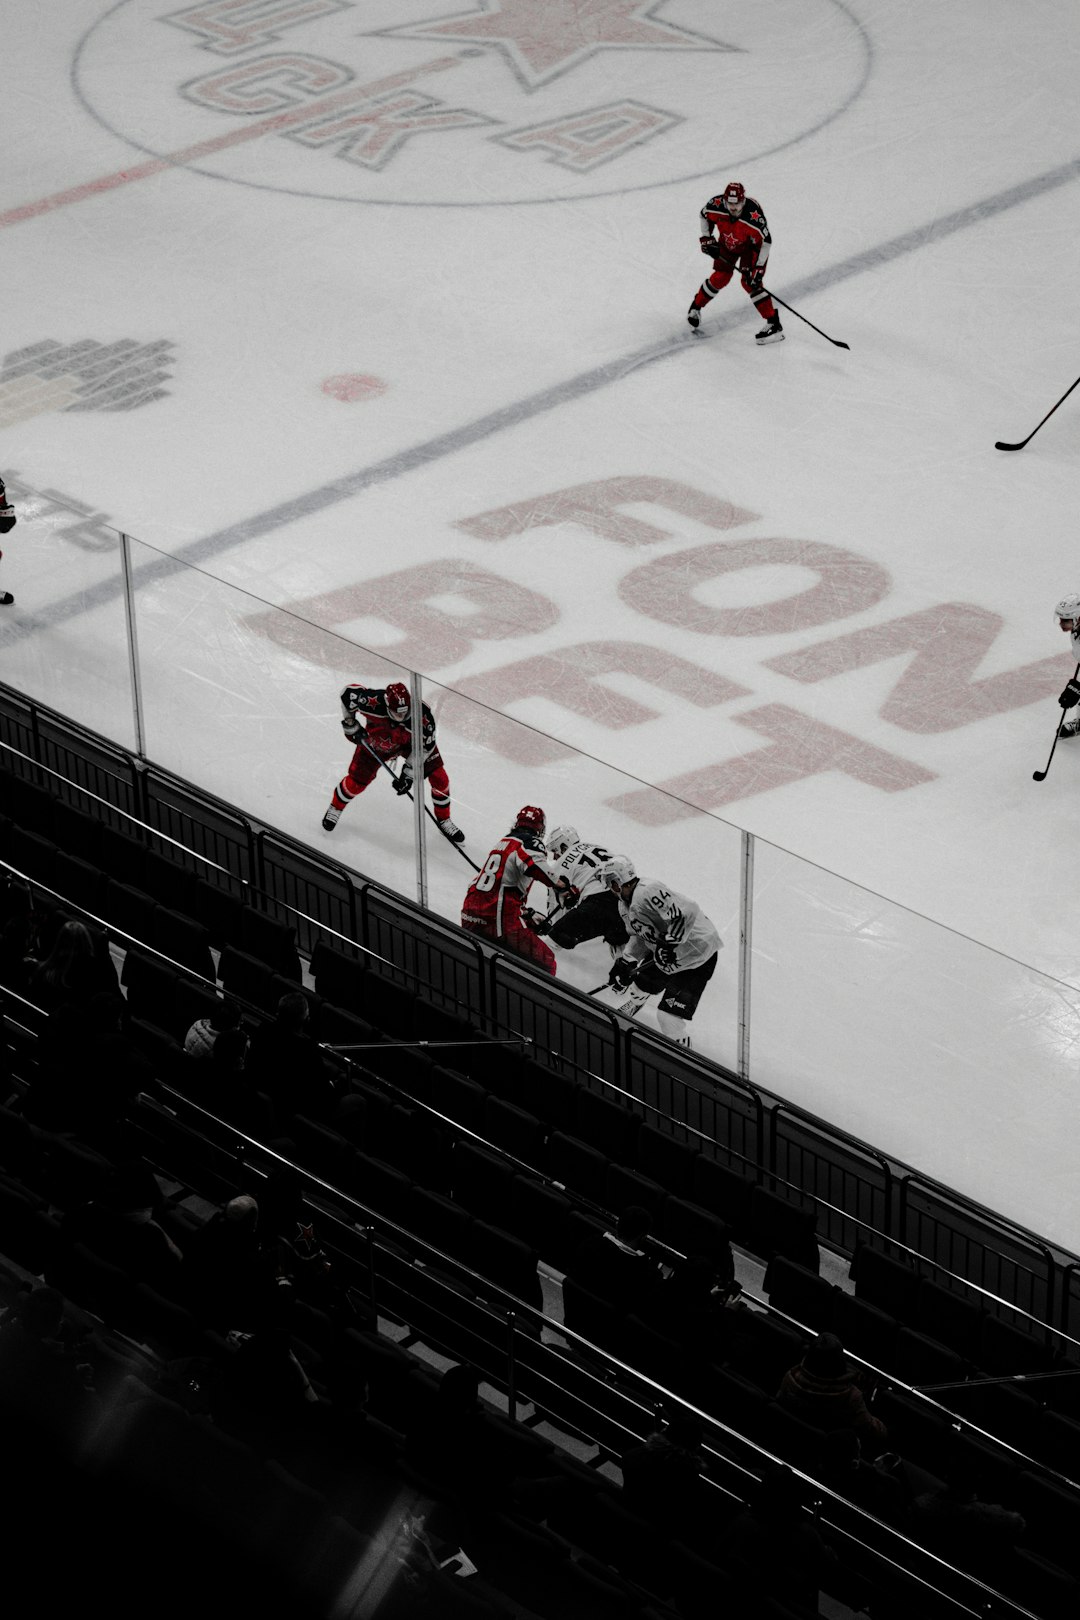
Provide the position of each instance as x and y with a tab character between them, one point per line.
413	102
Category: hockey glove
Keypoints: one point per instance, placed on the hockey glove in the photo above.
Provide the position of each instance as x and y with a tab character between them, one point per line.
622	972
536	921
403	781
568	895
753	280
664	957
351	727
1070	695
710	245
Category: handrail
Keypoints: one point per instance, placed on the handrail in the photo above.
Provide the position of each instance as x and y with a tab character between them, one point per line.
667	1398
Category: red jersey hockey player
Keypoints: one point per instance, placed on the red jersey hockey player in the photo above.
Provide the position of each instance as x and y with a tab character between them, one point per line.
497	893
735	233
380	724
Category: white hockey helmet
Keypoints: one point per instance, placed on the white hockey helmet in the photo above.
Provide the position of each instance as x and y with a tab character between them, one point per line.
1068	608
615	872
561	839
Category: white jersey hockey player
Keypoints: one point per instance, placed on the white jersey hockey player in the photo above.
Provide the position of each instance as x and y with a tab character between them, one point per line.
1067	614
595	914
672	949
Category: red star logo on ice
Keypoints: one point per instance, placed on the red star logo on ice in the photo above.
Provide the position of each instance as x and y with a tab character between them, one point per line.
542	39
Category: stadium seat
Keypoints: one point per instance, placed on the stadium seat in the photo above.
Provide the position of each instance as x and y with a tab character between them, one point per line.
339	976
781	1225
865	1331
581	1169
247	979
609	1126
183	940
666	1160
804	1295
514	1130
482	1182
269	941
726	1191
949	1317
889	1282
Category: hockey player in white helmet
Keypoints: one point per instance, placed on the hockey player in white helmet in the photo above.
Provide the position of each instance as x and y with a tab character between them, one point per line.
671	952
1067	614
595	914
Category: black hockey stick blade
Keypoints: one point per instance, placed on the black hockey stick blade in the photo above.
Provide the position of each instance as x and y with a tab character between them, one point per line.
1000	443
1038	776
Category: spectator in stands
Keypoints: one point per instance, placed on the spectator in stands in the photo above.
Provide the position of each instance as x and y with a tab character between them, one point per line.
16	932
76	968
43	1378
448	1444
264	1371
289	1239
662	1481
955	1523
286	1063
230	1277
88	1072
773	1548
617	1266
125	1228
225	1087
881	1487
694	1306
200	1038
823	1390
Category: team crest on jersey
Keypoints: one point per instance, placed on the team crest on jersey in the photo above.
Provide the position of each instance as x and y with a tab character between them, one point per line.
409	102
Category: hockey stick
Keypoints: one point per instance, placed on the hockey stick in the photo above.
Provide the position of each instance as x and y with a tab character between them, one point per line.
362	740
1001	445
729	264
1040	776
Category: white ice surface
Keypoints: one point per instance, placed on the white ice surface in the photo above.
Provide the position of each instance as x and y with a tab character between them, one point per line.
919	168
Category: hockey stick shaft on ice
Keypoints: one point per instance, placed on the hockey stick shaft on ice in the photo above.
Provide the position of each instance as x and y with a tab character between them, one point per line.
362	740
1001	445
1040	776
729	264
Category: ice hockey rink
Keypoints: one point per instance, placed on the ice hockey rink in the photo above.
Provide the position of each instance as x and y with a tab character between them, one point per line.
365	319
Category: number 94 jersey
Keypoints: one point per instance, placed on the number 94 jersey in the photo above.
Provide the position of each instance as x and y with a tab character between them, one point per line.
657	915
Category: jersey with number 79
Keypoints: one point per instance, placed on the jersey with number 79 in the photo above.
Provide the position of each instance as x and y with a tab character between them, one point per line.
660	916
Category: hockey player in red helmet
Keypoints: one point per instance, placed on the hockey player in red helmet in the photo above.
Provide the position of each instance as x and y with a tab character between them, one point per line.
379	723
493	904
735	235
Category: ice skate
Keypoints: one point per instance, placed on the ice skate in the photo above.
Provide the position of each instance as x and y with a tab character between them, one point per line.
448	830
771	332
331	817
6	599
1070	728
693	316
633	1003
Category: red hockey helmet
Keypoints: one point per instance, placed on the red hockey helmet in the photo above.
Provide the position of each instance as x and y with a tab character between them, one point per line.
733	196
398	702
530	818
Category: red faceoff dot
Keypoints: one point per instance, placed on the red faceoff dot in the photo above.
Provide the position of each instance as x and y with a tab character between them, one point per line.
353	385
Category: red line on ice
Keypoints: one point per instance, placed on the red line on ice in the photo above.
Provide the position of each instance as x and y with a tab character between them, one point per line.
220	143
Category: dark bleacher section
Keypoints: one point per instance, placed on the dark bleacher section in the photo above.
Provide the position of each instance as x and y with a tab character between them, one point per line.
481	1157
